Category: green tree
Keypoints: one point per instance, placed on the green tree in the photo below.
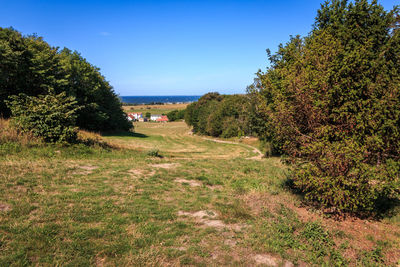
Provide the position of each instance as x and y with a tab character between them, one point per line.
102	109
332	102
27	65
31	66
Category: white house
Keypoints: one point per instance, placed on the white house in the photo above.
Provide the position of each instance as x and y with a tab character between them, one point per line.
155	117
135	116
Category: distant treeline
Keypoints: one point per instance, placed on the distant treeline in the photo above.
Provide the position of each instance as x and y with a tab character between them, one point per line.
30	66
176	115
331	103
147	104
220	115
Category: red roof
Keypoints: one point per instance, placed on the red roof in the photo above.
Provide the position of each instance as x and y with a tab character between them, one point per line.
163	118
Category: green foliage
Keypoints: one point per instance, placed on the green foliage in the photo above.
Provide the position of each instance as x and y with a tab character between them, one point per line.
148	115
282	231
176	114
28	65
331	102
375	257
154	153
31	66
102	109
219	115
51	117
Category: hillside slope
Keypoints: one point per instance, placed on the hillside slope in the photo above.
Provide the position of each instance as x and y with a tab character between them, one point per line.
203	203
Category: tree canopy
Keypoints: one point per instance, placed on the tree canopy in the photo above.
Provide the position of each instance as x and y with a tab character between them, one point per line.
331	101
29	65
219	115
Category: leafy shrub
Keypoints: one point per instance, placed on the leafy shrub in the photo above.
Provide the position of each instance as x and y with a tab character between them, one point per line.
331	102
266	148
154	153
51	117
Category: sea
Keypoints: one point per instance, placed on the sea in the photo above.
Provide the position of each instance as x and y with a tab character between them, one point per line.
166	99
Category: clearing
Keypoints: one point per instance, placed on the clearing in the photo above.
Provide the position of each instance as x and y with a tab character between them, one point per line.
203	203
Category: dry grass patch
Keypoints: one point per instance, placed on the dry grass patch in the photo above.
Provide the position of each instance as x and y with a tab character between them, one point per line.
11	134
155	108
165	165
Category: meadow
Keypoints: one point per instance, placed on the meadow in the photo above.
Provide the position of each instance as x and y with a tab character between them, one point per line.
154	109
195	202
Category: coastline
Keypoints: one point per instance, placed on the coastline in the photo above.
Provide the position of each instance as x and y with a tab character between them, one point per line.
158	100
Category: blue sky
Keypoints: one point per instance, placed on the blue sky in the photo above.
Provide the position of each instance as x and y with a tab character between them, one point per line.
168	47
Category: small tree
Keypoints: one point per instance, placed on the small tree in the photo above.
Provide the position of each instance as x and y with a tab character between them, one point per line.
148	115
51	117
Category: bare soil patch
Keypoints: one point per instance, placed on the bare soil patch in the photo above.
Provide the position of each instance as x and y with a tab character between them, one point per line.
215	187
165	165
230	242
209	219
100	261
5	207
191	183
269	260
259	155
141	173
265	259
84	169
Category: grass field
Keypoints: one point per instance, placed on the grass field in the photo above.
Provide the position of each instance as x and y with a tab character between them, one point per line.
154	109
202	203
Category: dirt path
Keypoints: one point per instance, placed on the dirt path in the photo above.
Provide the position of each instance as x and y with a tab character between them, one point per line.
259	155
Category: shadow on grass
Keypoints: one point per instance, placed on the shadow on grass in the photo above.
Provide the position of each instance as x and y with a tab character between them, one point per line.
125	134
386	207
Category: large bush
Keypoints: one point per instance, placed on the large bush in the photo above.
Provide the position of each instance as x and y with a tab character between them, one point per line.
331	101
219	115
51	117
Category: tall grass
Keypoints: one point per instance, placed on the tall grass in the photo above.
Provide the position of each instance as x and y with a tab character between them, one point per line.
10	134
